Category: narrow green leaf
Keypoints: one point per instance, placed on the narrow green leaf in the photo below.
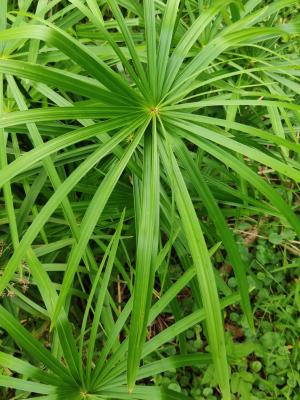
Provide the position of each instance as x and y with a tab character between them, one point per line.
82	86
28	343
165	39
146	253
91	218
188	40
77	52
24	368
128	40
55	200
101	297
39	153
217	217
27	386
256	181
247	151
150	36
205	275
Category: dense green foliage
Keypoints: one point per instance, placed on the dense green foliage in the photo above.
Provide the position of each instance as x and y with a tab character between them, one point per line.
137	140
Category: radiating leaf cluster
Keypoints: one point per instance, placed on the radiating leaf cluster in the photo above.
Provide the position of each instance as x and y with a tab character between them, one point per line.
130	133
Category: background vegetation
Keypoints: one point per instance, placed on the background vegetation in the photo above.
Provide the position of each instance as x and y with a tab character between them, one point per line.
149	220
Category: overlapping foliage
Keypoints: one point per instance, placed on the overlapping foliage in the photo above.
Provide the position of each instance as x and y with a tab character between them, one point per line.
130	132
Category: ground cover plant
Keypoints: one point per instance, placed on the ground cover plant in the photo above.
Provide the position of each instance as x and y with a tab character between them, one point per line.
150	221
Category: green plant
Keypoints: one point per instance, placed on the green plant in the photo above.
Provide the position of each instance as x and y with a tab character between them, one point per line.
130	132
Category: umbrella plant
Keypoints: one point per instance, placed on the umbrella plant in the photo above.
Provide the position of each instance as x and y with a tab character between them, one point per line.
131	133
